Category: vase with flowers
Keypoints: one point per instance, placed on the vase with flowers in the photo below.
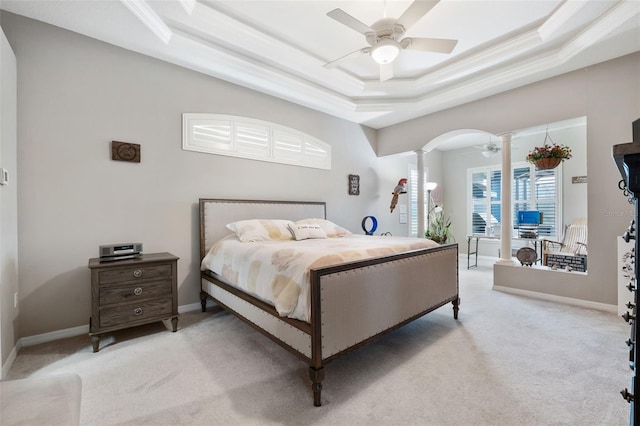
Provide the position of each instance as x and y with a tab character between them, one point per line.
548	156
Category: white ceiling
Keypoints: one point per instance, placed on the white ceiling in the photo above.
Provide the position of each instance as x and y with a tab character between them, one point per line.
280	47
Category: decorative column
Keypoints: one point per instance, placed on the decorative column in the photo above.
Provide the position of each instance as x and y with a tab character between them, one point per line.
505	208
421	179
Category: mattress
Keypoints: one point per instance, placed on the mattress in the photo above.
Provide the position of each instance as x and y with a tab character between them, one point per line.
278	272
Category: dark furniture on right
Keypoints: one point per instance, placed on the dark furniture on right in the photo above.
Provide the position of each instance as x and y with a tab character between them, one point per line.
627	158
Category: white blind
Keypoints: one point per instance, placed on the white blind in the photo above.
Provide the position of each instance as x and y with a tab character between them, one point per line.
252	140
546	199
413	200
216	135
255	139
532	189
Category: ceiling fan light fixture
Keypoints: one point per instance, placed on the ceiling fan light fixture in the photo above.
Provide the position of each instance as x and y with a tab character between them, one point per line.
385	51
489	154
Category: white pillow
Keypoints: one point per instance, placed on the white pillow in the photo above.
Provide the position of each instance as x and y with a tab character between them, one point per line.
330	229
262	229
307	231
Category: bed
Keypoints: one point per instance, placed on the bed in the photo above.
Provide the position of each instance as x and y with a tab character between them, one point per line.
350	303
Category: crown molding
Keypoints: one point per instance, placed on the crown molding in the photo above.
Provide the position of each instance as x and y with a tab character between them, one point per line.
606	24
221	40
188	5
146	15
559	18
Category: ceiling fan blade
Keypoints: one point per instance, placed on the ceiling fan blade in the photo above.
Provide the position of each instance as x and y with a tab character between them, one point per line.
346	57
440	45
417	10
348	20
386	71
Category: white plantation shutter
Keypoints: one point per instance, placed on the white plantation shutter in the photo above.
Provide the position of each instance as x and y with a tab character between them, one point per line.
287	145
254	139
479	201
532	189
212	135
413	200
546	198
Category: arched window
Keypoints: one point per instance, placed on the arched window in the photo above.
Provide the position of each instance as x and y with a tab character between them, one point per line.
253	139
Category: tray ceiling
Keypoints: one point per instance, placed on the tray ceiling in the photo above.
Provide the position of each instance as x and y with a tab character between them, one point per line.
280	47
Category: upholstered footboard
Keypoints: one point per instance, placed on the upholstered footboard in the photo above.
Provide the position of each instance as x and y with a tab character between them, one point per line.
356	303
351	304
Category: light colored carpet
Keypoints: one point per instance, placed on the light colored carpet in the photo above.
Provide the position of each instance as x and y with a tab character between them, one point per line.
508	360
51	400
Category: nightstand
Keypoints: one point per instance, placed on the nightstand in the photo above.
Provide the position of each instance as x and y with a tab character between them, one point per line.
127	293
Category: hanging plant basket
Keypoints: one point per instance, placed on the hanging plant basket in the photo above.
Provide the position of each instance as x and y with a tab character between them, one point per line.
548	163
549	155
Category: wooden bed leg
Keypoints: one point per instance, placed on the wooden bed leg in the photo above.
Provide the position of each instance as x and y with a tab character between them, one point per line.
203	300
317	376
456	307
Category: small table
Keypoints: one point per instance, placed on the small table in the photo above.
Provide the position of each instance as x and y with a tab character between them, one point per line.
127	293
479	237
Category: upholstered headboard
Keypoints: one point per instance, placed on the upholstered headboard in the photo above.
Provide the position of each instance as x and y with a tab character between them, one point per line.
215	214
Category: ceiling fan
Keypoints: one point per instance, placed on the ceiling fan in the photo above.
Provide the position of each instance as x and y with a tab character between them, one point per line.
385	37
489	149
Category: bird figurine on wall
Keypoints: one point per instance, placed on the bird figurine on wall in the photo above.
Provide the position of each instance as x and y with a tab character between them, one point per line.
399	189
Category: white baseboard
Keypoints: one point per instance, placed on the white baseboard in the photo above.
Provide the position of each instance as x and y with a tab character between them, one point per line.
68	332
12	357
560	299
82	329
54	335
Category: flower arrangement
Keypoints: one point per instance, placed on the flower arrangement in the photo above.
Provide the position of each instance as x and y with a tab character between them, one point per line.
562	152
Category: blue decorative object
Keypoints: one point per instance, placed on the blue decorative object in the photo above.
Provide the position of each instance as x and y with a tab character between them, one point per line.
374	225
529	217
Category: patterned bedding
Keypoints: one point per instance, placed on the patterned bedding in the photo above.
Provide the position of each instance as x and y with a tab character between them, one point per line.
278	271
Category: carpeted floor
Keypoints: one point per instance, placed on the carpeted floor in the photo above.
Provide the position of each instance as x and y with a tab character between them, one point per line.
508	360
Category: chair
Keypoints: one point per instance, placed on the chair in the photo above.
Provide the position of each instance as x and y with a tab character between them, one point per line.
571	252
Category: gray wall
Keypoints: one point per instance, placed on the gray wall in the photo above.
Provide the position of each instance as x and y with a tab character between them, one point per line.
608	94
8	202
76	95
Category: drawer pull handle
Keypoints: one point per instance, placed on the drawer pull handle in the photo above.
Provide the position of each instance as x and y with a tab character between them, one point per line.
137	311
137	291
137	273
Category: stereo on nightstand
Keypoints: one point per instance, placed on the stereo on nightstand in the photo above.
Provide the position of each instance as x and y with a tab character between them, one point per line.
111	252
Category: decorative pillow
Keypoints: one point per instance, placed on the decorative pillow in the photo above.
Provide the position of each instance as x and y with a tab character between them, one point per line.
262	229
305	231
330	229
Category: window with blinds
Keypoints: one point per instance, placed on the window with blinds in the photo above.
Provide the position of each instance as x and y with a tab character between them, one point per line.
486	196
253	139
532	189
413	200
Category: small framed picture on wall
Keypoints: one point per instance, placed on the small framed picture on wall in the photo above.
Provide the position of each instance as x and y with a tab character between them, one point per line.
354	185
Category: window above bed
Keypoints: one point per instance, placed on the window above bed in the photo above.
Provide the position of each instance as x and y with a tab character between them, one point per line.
253	139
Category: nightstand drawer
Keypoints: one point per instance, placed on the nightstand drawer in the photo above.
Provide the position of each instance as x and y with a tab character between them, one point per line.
134	312
135	292
134	273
